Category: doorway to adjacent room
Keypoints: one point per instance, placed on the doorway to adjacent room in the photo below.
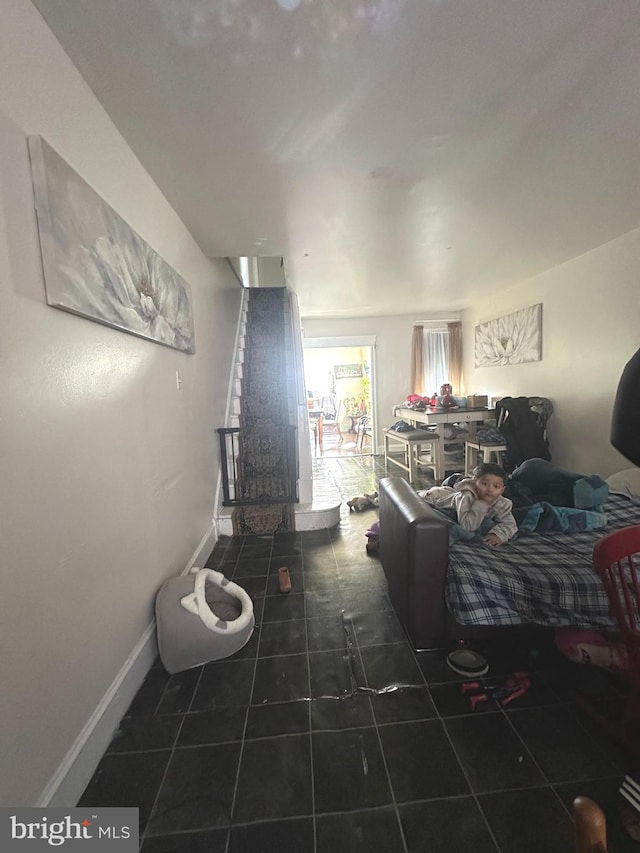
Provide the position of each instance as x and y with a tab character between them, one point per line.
339	377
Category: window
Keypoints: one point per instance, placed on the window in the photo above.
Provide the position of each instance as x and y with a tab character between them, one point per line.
436	360
436	357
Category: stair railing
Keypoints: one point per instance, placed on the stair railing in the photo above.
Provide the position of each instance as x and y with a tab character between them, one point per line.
233	488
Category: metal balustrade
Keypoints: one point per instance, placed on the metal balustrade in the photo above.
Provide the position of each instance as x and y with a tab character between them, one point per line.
260	474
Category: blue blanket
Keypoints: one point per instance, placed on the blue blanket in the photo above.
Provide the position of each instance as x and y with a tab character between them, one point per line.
543	517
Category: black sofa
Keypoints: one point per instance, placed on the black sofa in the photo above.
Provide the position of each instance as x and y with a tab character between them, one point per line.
414	552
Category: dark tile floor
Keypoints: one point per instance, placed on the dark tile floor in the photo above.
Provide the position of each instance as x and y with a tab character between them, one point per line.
328	732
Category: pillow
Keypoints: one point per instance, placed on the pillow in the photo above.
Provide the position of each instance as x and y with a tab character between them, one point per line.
627	482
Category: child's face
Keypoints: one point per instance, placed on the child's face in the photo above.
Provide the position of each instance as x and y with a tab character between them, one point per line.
489	487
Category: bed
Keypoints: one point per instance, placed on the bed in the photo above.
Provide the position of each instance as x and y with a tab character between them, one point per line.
538	579
466	590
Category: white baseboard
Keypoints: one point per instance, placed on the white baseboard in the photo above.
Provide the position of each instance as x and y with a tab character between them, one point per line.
79	764
66	786
204	549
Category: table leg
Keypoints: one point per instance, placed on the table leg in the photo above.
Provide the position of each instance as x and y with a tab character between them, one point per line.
438	454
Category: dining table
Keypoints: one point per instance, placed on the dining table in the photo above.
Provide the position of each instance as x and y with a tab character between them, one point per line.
437	418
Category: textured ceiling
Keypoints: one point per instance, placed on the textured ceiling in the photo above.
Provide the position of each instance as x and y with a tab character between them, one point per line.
402	155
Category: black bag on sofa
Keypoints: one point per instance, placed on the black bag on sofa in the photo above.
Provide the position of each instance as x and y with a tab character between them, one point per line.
523	431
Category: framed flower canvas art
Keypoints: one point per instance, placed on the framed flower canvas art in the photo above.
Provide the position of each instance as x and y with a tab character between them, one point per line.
97	266
512	339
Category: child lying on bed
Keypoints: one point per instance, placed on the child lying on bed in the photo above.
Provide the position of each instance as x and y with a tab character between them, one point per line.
475	499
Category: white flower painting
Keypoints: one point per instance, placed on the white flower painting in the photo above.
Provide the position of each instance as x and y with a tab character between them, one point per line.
513	339
96	266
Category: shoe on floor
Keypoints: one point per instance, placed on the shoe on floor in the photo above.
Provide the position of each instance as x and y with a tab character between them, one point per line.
467	662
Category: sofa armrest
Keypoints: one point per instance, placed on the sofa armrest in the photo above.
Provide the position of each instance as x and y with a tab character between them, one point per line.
414	551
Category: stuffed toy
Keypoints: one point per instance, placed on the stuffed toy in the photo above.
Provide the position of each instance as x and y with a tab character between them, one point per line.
362	502
373	538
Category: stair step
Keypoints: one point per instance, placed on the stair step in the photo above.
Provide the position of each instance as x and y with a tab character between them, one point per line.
264	406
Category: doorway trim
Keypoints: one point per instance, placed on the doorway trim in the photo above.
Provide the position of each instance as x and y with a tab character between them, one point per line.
344	341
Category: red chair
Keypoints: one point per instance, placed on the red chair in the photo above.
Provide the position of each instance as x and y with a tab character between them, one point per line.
616	558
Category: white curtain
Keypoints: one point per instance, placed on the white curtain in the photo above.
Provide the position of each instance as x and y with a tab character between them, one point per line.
455	356
417	361
436	361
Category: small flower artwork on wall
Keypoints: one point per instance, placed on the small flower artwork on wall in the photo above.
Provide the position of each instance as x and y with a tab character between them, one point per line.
513	339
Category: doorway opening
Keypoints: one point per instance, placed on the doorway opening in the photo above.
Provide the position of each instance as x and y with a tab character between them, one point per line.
340	397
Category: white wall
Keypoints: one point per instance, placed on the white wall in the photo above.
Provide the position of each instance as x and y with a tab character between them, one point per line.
108	472
319	363
590	328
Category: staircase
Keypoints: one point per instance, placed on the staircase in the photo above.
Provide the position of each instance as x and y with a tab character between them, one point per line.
267	472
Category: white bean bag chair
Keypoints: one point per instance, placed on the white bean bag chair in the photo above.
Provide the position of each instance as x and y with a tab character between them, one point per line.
201	617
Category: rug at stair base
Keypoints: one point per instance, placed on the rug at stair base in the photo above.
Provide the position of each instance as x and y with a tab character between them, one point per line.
263	520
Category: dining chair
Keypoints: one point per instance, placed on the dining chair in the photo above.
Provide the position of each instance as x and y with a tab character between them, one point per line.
362	430
477	451
313	428
331	421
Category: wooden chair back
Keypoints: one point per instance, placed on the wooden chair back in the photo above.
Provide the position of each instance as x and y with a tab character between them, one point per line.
590	827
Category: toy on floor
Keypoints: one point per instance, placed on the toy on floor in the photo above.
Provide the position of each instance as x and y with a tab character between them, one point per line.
516	685
284	579
373	544
373	538
582	645
362	502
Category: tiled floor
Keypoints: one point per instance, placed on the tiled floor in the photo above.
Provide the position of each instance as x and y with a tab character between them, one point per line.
341	445
327	732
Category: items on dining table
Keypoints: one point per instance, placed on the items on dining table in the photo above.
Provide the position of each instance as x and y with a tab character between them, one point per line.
447	400
444	400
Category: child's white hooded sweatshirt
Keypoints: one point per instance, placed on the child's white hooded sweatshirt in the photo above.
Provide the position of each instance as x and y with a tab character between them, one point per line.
470	510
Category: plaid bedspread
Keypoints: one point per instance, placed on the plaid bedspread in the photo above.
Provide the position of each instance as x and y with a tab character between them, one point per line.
538	578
